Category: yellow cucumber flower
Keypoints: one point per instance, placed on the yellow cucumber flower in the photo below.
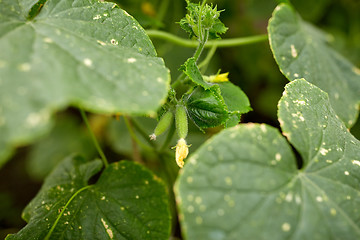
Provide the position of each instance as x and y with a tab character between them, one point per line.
182	150
223	77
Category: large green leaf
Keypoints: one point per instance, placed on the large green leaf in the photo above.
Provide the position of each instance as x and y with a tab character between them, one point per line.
244	182
301	50
83	53
127	202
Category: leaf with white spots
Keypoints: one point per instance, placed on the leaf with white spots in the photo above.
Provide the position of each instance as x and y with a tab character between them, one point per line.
81	53
302	51
245	184
126	202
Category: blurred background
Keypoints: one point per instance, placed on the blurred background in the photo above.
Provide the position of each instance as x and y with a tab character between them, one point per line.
251	67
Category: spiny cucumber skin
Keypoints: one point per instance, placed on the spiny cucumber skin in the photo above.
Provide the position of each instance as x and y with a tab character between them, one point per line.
164	123
181	121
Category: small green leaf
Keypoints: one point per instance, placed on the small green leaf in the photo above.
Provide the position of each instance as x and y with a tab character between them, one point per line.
82	53
204	16
301	50
234	119
192	71
217	29
236	101
127	202
244	182
184	24
206	108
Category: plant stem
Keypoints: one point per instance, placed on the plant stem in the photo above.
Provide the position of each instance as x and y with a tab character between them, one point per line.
201	46
97	146
142	132
135	149
231	42
133	135
196	56
207	59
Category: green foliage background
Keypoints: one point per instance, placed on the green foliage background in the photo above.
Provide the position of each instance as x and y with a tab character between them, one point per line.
253	68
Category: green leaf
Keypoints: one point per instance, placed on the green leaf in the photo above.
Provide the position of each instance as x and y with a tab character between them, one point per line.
217	29
65	138
202	17
244	182
206	108
127	202
236	101
301	50
81	53
234	119
185	25
192	71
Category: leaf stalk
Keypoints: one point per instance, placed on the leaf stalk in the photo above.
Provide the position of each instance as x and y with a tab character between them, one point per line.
96	143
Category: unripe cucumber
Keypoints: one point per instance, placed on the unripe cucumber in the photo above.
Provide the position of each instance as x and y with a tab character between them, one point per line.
181	121
164	123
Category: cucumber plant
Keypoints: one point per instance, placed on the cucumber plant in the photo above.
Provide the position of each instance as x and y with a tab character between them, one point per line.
245	182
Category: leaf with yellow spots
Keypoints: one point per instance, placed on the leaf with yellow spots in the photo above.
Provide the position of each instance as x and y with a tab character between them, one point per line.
126	202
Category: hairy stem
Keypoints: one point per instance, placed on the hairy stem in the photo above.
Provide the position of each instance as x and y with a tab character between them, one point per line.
203	65
231	42
201	46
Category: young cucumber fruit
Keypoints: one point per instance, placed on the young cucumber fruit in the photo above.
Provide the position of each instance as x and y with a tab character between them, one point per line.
181	121
164	123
